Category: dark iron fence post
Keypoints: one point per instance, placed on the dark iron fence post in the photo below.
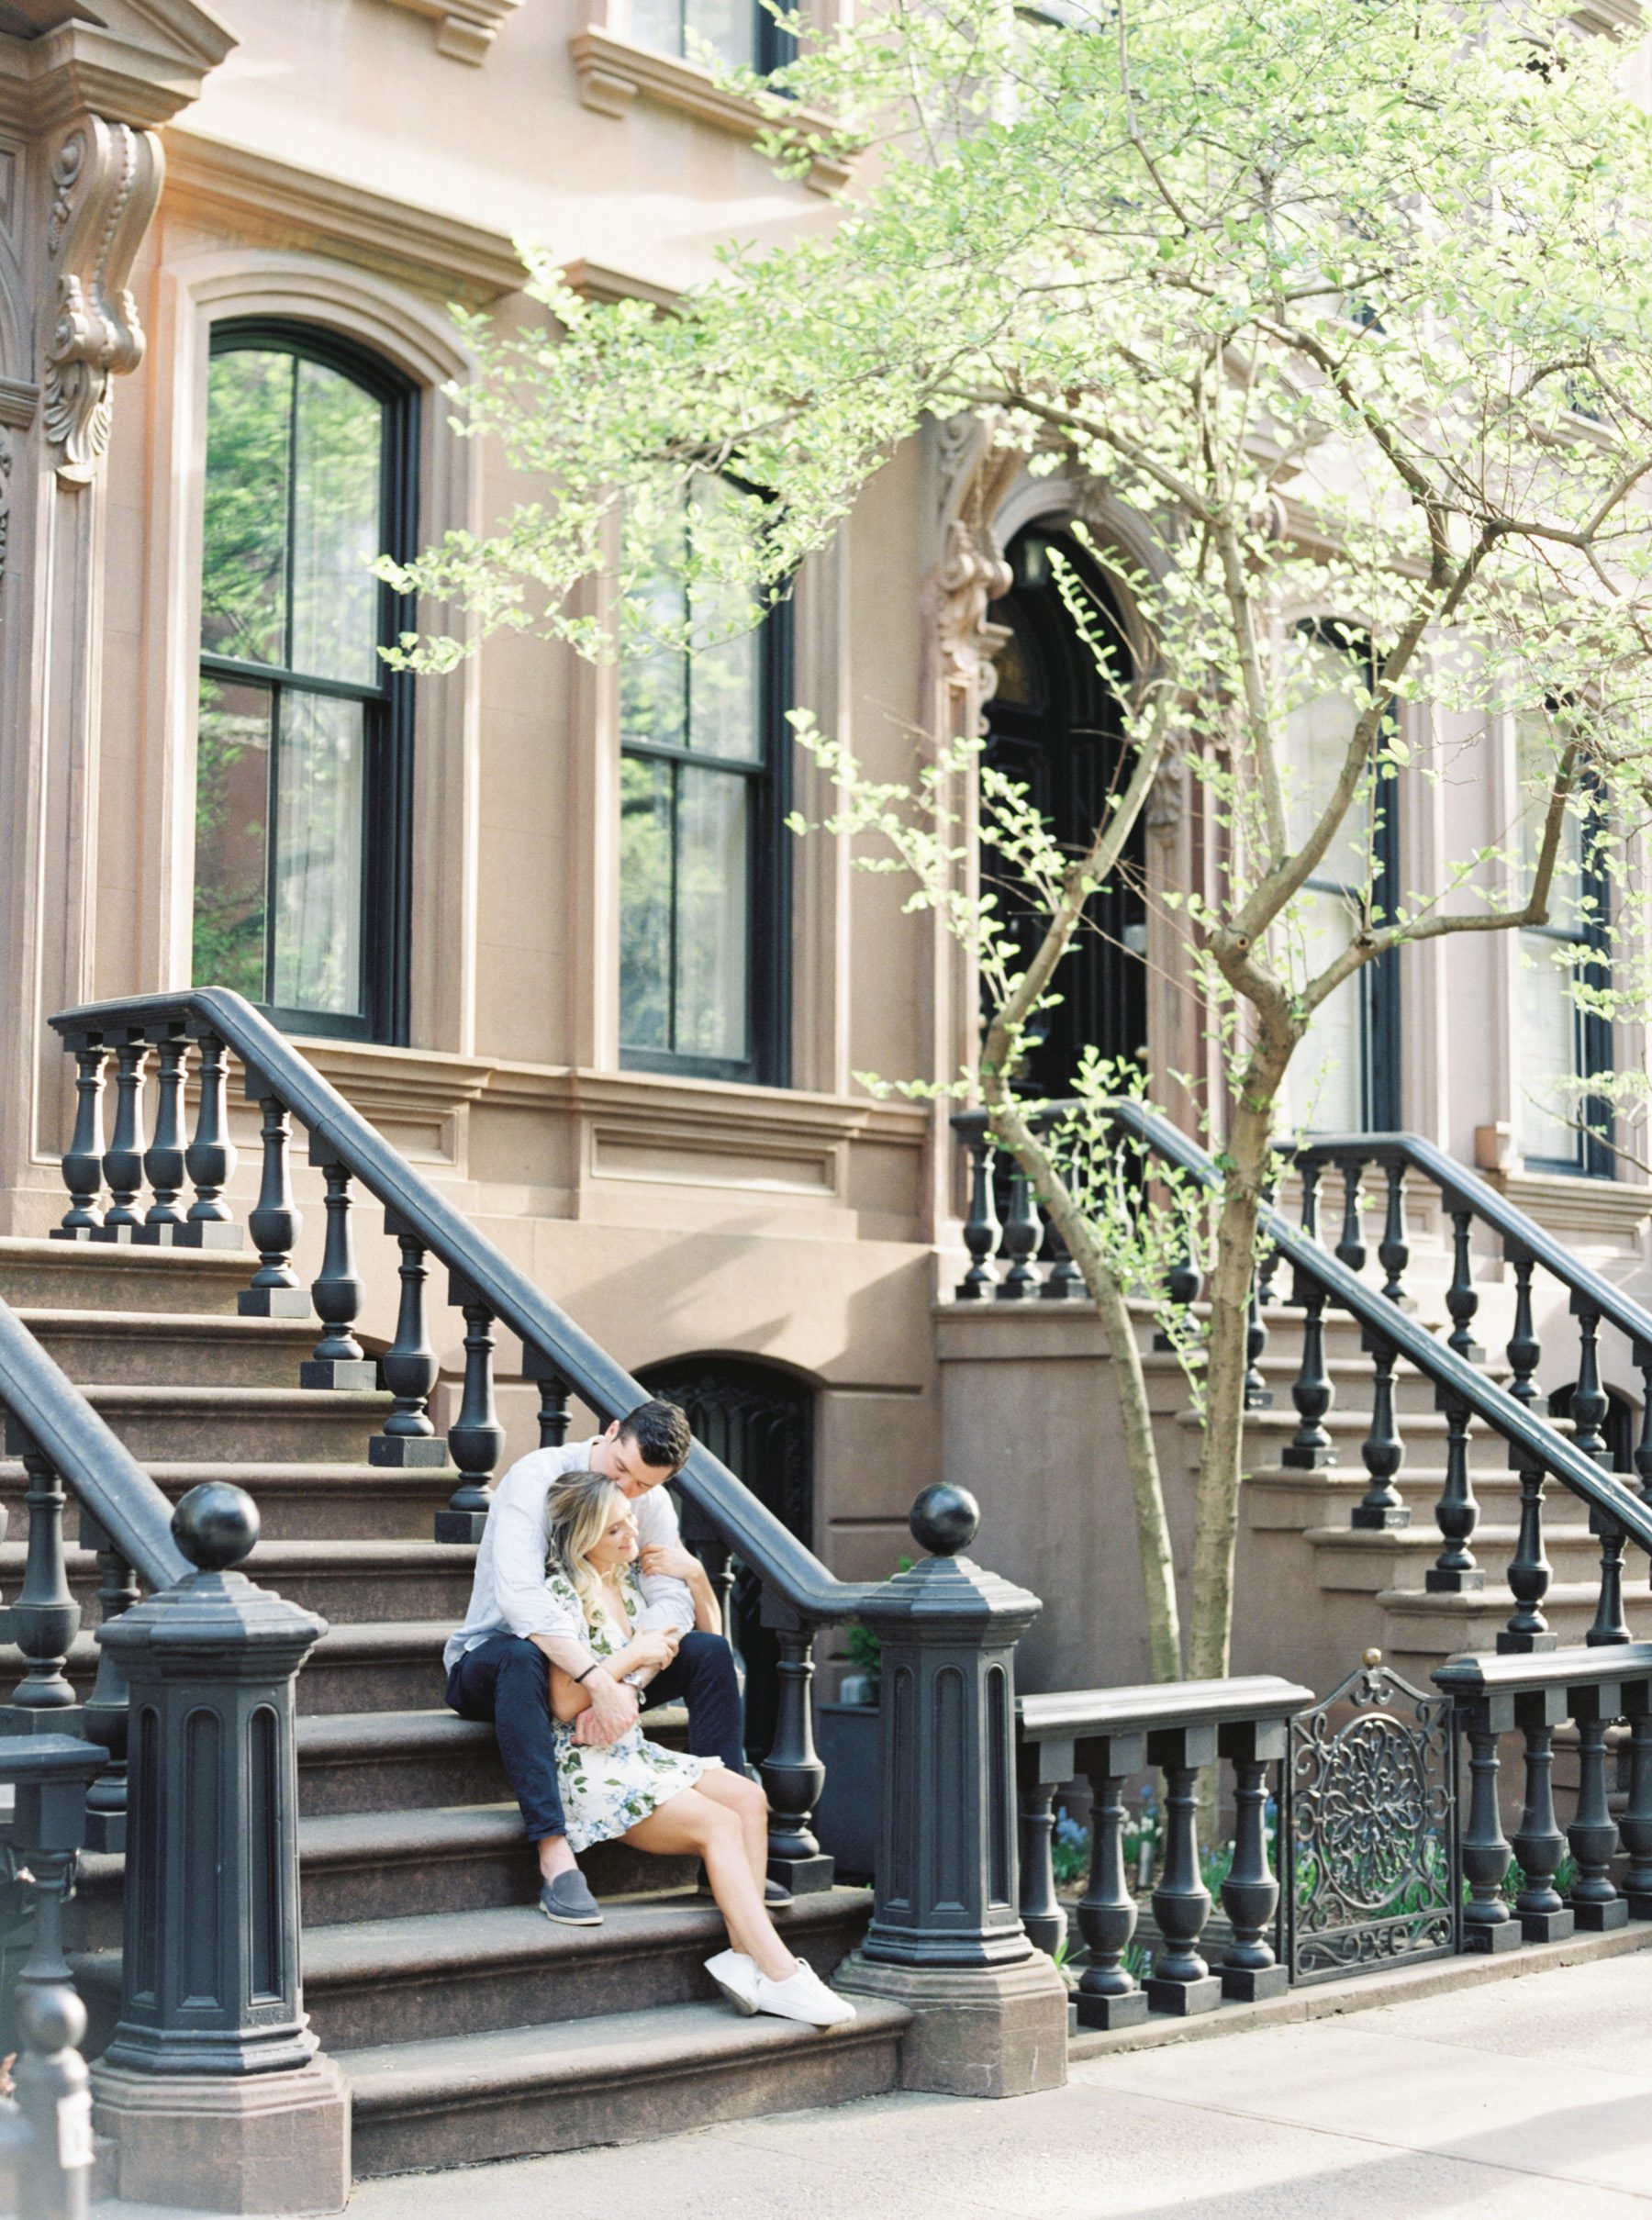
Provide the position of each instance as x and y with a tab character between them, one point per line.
946	1938
211	2082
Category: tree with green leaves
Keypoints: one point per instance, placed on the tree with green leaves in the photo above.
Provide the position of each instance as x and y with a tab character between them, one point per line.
1348	301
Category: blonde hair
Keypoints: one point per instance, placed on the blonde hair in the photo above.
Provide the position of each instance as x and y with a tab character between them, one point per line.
581	1508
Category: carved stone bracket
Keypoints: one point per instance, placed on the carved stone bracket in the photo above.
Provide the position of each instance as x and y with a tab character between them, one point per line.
106	180
464	29
972	574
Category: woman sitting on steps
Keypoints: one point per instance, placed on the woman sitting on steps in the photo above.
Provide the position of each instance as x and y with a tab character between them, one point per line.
661	1800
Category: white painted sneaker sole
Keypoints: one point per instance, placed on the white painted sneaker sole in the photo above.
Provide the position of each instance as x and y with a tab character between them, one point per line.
741	1999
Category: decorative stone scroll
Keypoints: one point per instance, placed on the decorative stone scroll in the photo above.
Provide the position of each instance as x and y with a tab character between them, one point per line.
106	180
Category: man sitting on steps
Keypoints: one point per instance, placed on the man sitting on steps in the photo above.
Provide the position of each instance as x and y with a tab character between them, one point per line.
498	1664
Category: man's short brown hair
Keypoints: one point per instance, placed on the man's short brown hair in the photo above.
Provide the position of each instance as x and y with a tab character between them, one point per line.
659	1433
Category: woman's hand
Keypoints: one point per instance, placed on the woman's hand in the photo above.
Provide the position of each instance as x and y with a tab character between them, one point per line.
670	1561
652	1649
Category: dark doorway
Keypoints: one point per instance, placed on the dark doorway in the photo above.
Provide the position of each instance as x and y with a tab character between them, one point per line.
1054	726
760	1421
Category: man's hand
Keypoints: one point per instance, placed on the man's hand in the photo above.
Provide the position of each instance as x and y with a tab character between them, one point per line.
612	1711
655	1646
670	1561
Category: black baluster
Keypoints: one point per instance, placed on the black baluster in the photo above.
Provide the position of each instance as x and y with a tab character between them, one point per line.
1462	1297
475	1438
123	1159
1383	1451
1529	1574
1589	1403
981	1228
1610	1626
1544	1917
211	1157
1310	1447
1258	1395
1184	1284
1109	1995
1596	1905
1041	1910
1635	1825
793	1775
106	1710
1643	1447
1524	1349
1022	1234
718	1561
45	1618
553	1397
409	1369
1311	1179
83	1160
163	1165
1180	1981
274	1223
1065	1281
1394	1252
1250	1894
1453	1572
337	1360
1488	1923
1351	1249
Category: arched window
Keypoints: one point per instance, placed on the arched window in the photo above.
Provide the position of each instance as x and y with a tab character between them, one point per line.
705	887
304	763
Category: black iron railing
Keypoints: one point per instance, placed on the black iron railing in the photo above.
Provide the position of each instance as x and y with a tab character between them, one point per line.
1537	1451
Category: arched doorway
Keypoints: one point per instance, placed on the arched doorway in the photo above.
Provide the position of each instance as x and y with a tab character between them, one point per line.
1054	725
760	1421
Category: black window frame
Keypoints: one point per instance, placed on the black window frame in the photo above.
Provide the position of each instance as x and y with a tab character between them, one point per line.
768	870
1377	982
389	719
1594	1157
772	46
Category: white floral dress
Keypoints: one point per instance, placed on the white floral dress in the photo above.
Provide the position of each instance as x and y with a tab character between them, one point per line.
606	1792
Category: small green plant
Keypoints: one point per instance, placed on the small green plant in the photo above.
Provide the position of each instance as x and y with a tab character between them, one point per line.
865	1651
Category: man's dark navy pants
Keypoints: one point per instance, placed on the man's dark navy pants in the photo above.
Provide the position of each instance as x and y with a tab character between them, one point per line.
507	1680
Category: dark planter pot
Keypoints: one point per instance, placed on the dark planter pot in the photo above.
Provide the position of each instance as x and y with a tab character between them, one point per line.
846	1821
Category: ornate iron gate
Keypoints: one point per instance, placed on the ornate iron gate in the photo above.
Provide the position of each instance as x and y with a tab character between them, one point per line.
1369	1829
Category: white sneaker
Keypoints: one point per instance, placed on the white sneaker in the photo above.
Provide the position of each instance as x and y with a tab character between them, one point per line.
736	1976
803	1995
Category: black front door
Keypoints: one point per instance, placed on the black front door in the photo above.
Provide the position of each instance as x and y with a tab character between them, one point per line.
1054	726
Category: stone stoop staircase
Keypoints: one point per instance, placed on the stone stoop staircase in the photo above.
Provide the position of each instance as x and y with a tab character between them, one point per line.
1371	1584
467	2026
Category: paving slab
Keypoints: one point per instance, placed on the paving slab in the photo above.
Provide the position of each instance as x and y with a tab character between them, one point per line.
1522	2101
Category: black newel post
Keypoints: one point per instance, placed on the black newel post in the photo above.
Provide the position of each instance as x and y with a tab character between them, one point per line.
212	2074
793	1775
82	1159
475	1438
946	1937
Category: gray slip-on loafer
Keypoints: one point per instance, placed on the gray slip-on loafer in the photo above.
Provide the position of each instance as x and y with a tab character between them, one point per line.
774	1893
568	1899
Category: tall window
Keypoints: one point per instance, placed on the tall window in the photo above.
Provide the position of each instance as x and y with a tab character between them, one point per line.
1345	1077
742	33
1558	1047
705	911
303	758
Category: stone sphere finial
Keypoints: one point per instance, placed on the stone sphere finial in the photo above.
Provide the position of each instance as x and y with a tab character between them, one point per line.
50	2019
945	1519
216	1525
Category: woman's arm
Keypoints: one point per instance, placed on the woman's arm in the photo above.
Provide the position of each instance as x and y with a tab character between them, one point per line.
645	1653
674	1563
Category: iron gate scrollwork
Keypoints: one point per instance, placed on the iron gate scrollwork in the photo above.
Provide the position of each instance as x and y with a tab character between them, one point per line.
1369	1829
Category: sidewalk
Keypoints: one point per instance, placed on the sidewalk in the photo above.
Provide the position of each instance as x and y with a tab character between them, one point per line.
1523	2100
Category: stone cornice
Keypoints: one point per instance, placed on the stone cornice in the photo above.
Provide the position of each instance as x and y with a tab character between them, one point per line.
440	253
143	64
464	29
598	282
615	72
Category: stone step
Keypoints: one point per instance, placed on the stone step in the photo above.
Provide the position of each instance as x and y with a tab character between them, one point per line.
363	1581
615	2079
434	1975
105	1278
1419	1629
268	1425
1371	1563
392	1666
377	1865
154	1348
1423	1435
355	1762
300	1502
1285	1500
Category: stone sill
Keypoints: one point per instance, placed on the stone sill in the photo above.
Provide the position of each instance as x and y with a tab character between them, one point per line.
1574	1204
613	72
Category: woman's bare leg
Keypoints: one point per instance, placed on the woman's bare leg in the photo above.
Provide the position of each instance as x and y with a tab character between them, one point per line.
693	1822
746	1799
